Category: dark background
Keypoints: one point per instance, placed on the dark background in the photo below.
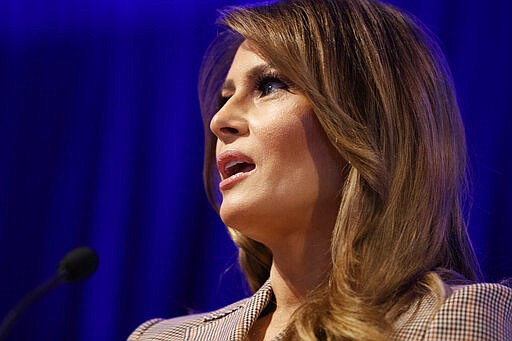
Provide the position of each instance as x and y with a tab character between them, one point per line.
101	144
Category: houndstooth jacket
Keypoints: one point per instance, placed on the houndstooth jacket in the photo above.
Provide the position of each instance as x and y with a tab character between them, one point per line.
477	312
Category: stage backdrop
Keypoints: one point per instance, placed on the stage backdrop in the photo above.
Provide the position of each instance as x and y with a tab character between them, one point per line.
101	144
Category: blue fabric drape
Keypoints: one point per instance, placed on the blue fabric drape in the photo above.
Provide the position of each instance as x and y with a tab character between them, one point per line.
101	144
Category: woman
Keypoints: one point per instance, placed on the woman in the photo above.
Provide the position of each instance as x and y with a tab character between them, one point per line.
334	137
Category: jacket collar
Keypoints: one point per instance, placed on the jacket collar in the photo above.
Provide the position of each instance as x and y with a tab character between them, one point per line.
233	322
250	313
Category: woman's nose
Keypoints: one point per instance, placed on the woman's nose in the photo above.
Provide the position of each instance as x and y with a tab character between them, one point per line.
229	123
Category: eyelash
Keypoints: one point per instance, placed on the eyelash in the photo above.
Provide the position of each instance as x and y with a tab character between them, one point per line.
266	79
221	100
260	86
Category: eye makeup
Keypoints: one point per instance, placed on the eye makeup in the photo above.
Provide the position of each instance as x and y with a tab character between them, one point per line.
263	80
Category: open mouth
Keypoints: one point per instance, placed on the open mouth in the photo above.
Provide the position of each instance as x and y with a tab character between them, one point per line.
235	167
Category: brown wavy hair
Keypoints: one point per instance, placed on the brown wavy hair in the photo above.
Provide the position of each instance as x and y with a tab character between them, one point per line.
382	91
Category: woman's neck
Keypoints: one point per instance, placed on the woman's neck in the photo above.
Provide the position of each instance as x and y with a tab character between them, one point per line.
297	272
293	275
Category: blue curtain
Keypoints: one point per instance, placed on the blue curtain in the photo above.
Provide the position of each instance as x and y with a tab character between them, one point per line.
101	144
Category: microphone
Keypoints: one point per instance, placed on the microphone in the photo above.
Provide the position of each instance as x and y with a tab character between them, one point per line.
78	264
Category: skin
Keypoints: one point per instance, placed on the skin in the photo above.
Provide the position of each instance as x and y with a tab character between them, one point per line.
289	202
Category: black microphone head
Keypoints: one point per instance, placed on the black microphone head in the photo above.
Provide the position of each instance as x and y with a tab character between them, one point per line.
78	264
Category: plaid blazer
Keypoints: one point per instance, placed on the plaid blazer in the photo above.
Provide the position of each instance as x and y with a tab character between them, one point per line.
474	312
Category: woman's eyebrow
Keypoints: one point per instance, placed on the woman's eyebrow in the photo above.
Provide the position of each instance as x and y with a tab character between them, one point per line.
228	85
253	73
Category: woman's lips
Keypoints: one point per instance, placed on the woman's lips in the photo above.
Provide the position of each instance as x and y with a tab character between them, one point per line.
233	166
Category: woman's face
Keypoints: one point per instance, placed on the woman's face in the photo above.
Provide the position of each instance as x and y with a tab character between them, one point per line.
279	174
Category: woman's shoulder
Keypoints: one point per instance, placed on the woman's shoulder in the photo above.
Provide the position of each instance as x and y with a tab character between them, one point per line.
481	311
177	328
489	296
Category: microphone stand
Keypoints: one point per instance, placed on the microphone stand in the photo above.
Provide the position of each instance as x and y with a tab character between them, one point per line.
30	299
78	264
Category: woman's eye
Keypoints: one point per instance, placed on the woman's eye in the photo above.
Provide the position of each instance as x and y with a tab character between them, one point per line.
269	85
221	100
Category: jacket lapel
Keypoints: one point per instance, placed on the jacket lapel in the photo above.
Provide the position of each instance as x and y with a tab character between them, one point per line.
233	322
